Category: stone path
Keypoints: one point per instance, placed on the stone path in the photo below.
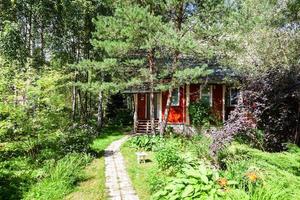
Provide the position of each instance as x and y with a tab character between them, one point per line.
117	183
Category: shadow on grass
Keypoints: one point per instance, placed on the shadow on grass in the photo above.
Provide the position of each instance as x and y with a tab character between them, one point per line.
12	187
106	137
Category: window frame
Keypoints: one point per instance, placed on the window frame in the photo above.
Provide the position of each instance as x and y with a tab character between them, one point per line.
178	94
210	95
230	96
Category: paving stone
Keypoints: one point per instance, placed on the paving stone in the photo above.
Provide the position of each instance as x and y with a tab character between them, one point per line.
118	184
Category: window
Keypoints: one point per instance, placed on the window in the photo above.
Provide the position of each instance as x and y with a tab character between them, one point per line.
206	94
234	96
175	97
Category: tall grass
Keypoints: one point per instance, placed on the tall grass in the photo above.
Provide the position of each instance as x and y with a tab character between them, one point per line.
278	173
60	179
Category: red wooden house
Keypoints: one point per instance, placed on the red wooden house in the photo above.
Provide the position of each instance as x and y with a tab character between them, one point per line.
222	98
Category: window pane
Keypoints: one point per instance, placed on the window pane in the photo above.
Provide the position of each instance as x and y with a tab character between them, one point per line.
206	99
175	97
205	95
234	96
206	90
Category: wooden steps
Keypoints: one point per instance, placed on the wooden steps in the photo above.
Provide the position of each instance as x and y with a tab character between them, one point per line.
144	126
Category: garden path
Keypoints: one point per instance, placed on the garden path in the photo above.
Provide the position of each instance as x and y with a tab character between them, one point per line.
117	182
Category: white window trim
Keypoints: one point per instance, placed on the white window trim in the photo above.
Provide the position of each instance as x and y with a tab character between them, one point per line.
178	98
210	93
232	105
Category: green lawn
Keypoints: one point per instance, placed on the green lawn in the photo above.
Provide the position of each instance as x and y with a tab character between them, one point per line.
138	173
93	188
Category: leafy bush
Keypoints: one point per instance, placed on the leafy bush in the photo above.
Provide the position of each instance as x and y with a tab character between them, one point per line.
15	177
270	103
77	139
123	117
60	178
156	179
192	183
200	113
146	142
199	145
168	158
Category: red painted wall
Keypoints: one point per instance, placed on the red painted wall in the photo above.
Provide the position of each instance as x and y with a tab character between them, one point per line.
177	113
194	92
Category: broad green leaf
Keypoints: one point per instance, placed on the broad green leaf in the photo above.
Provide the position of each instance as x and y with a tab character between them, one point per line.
187	191
204	179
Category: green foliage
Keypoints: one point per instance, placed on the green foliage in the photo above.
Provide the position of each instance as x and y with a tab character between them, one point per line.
156	179
285	161
183	170
147	142
60	178
123	118
192	183
276	175
246	173
12	45
169	159
200	113
35	129
199	146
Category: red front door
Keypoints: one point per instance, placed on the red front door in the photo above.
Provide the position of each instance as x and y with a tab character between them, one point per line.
218	101
144	106
142	98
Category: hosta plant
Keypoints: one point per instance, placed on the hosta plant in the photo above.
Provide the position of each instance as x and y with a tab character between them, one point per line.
146	142
199	182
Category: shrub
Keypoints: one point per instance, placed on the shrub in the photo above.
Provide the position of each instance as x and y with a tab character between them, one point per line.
168	158
156	179
271	104
200	113
199	145
147	142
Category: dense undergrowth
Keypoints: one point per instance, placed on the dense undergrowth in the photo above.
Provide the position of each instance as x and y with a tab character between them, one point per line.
55	169
183	169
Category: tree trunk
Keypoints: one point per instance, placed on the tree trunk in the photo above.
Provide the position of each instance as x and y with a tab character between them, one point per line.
86	104
151	69
74	94
100	110
82	108
30	43
178	21
297	134
74	98
42	43
166	113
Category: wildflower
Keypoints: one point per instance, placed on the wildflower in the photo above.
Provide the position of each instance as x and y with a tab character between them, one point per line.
222	182
252	176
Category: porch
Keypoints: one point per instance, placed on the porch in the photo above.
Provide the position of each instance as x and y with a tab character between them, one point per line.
144	126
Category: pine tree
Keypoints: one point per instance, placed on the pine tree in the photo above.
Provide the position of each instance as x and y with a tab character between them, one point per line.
143	39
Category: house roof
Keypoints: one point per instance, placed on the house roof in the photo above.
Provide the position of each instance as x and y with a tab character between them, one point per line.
219	75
